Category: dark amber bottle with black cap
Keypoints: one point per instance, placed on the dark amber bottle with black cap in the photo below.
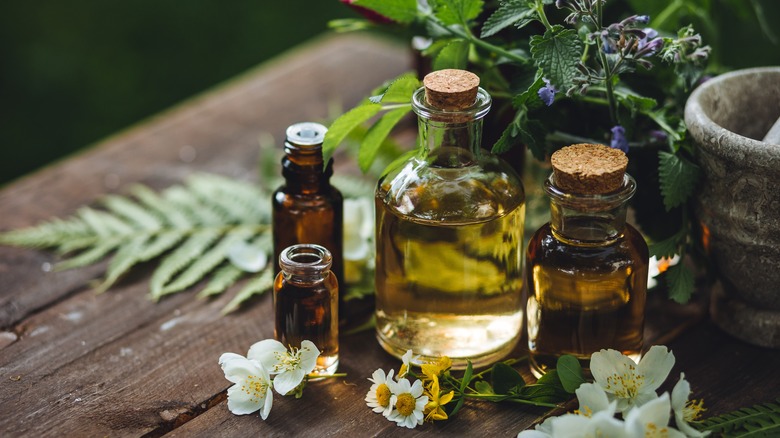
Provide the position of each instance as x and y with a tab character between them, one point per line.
307	208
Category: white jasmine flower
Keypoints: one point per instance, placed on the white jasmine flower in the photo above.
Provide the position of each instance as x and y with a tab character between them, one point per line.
358	228
290	367
593	399
600	425
408	403
684	410
652	420
407	360
378	397
252	389
625	381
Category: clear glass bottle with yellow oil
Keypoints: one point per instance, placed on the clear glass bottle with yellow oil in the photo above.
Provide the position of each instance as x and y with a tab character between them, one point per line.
587	268
449	240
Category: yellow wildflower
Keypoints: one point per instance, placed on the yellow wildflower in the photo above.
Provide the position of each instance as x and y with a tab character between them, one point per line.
434	370
434	410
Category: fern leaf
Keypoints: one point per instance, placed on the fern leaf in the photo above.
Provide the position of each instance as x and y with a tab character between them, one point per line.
256	286
46	235
206	262
191	249
90	256
132	212
124	259
163	242
222	279
71	244
761	420
192	207
173	215
242	202
104	224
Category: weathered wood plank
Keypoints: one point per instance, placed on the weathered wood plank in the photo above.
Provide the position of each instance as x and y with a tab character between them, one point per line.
216	132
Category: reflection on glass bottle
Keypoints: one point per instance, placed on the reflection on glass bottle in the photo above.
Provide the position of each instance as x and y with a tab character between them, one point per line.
306	303
449	238
587	268
307	208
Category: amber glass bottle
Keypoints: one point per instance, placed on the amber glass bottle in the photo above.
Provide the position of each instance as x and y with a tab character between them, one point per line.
450	235
307	208
306	303
587	268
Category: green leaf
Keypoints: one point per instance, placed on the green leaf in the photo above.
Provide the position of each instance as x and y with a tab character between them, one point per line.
530	97
760	420
636	103
678	178
569	373
126	257
484	387
132	212
456	11
680	282
667	247
104	224
401	89
505	379
256	286
182	257
377	134
557	53
509	12
453	55
222	279
163	242
401	11
342	126
89	256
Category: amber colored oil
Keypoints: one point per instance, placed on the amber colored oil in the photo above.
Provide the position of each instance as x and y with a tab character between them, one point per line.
450	287
308	311
584	298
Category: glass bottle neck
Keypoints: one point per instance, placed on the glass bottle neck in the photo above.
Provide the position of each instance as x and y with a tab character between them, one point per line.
305	264
450	138
589	220
302	164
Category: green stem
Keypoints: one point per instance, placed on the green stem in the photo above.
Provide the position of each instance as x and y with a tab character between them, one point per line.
476	41
565	137
513	400
664	15
605	66
539	6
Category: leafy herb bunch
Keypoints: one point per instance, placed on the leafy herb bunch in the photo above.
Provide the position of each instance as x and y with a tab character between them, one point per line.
560	72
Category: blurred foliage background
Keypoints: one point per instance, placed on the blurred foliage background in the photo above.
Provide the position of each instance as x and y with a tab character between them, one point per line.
72	73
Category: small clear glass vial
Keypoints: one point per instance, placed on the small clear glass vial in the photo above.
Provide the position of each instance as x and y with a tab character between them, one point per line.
306	303
587	268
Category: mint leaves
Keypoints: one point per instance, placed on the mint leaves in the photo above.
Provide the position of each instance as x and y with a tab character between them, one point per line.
401	11
557	53
510	12
678	178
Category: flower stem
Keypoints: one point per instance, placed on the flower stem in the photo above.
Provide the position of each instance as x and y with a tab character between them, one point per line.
605	66
539	6
513	400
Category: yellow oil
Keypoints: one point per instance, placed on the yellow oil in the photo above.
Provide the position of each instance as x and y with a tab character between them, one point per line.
584	298
450	287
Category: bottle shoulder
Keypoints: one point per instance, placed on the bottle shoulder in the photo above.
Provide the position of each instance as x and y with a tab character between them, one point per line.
628	248
483	190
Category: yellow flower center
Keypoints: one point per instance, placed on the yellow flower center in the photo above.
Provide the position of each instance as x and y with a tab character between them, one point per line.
625	385
405	404
383	395
653	431
287	361
254	387
693	410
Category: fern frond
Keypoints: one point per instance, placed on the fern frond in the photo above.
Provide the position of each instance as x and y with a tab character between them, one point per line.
761	420
132	212
185	254
192	206
207	261
49	234
104	224
124	259
222	279
256	286
163	242
89	256
173	216
241	202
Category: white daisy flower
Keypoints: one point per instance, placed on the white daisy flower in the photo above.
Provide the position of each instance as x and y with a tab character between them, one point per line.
252	389
625	381
408	403
684	410
378	397
290	367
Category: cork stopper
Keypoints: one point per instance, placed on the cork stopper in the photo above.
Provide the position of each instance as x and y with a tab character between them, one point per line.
589	169
451	89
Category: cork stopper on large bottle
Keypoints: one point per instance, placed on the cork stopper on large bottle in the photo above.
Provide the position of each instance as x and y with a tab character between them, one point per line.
589	169
451	89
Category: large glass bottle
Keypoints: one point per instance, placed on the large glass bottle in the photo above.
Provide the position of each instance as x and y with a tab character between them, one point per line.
307	208
306	303
587	269
449	241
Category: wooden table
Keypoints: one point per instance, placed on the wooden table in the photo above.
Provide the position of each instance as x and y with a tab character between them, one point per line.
77	363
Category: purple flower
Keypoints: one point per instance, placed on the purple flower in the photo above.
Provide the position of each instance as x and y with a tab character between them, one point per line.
619	140
547	93
608	44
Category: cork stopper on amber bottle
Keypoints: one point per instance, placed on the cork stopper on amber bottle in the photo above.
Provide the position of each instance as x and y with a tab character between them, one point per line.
589	169
451	89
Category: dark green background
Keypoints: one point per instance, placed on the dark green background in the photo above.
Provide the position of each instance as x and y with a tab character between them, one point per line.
73	72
